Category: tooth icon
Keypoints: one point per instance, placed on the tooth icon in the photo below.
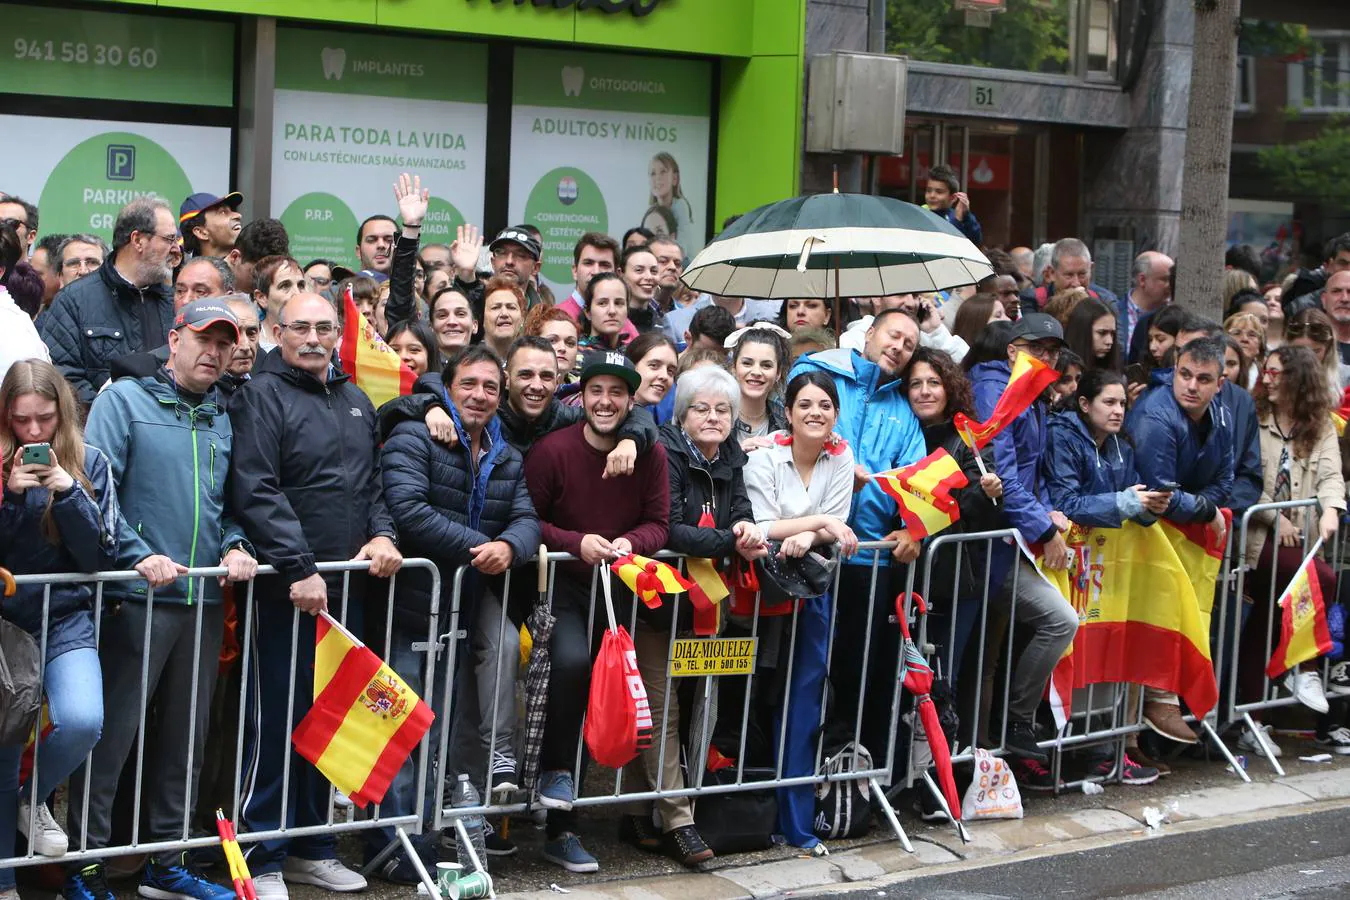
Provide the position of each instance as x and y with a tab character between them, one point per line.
334	61
573	77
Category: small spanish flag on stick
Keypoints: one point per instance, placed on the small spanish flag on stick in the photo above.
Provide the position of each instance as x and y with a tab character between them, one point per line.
1029	377
1303	620
369	361
923	491
365	720
648	578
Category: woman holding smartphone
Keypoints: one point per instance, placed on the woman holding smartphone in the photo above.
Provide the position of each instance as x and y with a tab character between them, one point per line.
59	514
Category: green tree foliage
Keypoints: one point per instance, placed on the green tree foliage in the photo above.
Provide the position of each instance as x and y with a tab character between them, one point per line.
1318	167
1030	36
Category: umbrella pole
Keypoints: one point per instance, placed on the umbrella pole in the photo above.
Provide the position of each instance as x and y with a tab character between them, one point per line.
942	802
880	796
838	325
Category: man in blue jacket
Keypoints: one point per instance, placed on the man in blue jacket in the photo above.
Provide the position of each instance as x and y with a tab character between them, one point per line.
875	419
462	504
168	443
1026	503
1185	444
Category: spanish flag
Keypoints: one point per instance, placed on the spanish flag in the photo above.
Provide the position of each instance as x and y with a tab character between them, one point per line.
923	491
706	592
1029	378
1303	620
648	578
365	720
42	730
1143	595
365	356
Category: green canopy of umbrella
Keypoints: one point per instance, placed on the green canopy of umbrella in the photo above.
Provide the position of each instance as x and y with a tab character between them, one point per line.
836	245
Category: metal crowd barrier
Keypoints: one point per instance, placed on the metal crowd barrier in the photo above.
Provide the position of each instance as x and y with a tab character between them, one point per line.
191	837
1272	696
787	626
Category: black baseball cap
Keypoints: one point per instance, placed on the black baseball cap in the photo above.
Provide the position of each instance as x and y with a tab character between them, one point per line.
610	362
519	235
200	315
199	203
1037	327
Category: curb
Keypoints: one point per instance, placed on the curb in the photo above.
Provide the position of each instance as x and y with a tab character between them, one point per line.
940	847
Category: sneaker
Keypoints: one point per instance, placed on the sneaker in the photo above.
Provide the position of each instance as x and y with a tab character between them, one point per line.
504	777
179	881
1134	772
1032	776
1021	742
1338	682
1249	742
49	839
565	850
270	887
1337	741
929	808
497	842
639	832
556	791
328	874
1149	762
1165	719
341	800
1307	688
686	846
89	884
398	869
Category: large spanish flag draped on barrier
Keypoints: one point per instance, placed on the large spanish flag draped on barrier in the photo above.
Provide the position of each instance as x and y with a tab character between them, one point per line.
1304	634
923	491
1028	378
365	719
365	356
1143	596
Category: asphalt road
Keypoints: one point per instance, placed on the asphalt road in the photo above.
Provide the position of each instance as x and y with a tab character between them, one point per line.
1305	857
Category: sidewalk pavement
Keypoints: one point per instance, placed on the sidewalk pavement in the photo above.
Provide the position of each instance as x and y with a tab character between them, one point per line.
1127	812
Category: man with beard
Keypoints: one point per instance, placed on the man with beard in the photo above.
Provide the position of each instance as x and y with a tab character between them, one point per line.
597	520
884	433
125	307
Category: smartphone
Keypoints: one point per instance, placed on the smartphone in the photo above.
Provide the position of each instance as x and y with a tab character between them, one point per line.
1135	374
1165	487
37	454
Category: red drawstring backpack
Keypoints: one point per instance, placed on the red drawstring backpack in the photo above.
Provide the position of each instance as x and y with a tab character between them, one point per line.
618	716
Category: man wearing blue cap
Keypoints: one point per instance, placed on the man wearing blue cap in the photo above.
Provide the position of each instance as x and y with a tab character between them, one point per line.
210	224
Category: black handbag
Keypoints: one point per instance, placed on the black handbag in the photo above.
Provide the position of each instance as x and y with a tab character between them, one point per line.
738	821
782	580
20	684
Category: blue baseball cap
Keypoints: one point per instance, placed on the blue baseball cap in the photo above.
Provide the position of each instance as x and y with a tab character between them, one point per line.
200	203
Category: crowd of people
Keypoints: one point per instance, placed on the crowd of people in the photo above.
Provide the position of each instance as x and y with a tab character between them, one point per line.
172	401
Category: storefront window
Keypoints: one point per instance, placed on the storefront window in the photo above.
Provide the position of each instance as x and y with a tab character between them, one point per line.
1026	36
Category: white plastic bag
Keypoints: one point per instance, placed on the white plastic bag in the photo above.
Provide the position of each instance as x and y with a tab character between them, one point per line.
993	791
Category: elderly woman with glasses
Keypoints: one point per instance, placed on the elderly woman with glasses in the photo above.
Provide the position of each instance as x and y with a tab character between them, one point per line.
1249	330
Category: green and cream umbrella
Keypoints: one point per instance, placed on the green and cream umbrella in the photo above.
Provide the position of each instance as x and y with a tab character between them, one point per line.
833	246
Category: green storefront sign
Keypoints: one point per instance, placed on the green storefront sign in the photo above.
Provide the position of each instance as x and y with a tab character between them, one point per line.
98	55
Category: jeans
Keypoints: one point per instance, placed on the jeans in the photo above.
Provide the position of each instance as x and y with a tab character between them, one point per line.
1053	622
73	684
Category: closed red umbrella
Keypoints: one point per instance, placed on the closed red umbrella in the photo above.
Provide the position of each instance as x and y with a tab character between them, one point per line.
918	680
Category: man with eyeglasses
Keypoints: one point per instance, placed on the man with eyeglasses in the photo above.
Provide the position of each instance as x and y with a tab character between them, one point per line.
515	253
307	486
79	255
23	216
125	307
1026	503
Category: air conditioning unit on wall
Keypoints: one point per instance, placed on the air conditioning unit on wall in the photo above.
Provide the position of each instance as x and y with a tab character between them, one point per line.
856	103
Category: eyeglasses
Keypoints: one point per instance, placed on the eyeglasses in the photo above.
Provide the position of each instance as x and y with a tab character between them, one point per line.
319	282
302	329
520	256
166	238
703	410
1319	333
1043	352
88	262
1240	333
13	223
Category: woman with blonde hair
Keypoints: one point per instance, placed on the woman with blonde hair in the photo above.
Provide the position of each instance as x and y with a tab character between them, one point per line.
1235	281
59	514
1062	303
1250	333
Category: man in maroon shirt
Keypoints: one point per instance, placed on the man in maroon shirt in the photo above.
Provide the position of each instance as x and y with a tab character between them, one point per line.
596	519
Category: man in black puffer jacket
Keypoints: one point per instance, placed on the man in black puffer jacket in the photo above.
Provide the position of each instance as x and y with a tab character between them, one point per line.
125	307
463	504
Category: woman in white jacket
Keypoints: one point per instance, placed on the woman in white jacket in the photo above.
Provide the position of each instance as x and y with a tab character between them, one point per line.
18	338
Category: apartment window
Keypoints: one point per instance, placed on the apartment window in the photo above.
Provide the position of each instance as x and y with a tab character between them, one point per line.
1245	98
1102	37
1321	83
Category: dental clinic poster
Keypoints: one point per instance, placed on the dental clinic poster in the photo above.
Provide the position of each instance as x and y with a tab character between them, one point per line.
605	142
355	110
